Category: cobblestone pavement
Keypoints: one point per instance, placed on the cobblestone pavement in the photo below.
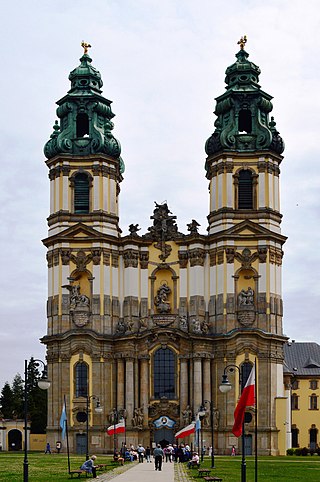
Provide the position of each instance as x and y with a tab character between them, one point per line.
145	472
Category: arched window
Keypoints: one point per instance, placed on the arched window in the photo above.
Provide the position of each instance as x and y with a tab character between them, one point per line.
81	193
82	125
81	379
294	402
245	121
245	190
164	370
295	436
245	372
313	402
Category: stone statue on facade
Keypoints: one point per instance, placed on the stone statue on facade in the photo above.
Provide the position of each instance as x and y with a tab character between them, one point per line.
121	326
161	299
216	418
133	229
196	326
245	297
187	415
79	305
183	323
193	227
137	419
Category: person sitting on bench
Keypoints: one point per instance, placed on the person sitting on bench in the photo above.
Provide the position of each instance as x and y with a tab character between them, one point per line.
118	458
89	467
194	462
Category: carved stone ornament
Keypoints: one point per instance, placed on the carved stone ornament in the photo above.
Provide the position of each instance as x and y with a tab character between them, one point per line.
246	308
124	325
197	257
137	419
193	227
144	259
183	259
161	299
164	228
164	320
130	258
164	406
196	326
79	306
183	323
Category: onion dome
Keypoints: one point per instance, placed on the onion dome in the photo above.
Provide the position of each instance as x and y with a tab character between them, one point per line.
85	125
242	123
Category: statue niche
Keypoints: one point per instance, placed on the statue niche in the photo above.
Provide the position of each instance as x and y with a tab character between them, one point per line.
246	308
161	299
79	305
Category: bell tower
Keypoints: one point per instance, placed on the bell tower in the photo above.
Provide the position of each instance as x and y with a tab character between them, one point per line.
243	168
85	172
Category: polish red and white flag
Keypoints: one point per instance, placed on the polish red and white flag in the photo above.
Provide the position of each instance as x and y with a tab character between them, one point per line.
247	399
188	430
118	428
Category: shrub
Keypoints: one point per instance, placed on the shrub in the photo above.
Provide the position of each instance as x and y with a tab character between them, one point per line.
290	451
304	451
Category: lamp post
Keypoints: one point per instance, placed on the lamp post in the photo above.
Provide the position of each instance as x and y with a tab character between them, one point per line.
201	415
115	416
212	429
44	384
225	387
98	409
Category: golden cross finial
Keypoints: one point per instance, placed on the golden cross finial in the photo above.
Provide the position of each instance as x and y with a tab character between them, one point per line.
85	46
242	42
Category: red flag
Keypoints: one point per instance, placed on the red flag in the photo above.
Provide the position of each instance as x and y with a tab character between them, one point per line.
118	428
188	430
247	399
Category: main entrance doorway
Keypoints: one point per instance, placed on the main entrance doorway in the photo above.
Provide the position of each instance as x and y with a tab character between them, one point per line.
163	436
81	440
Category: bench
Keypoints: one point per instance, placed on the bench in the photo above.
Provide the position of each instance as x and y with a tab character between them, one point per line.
212	479
203	472
77	472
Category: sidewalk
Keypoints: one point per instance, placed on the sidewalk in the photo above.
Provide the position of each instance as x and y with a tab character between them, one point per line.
145	472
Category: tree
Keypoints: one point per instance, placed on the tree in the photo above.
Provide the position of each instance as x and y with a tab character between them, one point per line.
6	401
18	396
37	399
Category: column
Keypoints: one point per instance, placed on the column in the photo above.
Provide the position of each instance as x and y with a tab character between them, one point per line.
183	385
120	383
129	389
197	383
144	388
206	380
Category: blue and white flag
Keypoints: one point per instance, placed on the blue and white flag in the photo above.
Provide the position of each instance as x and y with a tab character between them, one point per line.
63	420
198	428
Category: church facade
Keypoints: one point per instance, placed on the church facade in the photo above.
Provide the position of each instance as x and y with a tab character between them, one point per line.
146	323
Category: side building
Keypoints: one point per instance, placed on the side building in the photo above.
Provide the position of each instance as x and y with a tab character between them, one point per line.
302	382
147	322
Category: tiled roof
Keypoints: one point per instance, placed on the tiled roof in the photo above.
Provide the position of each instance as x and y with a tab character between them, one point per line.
302	358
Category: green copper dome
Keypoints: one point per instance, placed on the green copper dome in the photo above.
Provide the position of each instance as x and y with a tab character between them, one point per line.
85	77
243	123
85	125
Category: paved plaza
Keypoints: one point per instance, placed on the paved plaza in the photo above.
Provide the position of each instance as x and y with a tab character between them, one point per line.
145	472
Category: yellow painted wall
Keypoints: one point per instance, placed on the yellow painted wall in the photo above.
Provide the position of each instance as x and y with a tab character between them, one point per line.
38	442
281	403
305	418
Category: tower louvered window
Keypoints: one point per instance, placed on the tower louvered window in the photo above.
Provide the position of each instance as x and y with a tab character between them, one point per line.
245	190
81	194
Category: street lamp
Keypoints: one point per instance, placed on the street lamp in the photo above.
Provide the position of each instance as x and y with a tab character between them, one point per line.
97	409
212	429
44	384
201	415
225	387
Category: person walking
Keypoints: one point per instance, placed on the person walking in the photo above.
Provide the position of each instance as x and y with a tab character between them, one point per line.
141	451
148	454
48	449
158	456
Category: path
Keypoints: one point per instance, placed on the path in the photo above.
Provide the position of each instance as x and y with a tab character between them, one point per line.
145	472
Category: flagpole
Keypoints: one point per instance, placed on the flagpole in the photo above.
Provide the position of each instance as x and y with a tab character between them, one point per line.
67	434
243	461
256	423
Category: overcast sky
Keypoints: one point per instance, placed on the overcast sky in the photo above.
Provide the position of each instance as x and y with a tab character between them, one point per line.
162	64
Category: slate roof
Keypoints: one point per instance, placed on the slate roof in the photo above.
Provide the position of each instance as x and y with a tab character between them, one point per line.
302	358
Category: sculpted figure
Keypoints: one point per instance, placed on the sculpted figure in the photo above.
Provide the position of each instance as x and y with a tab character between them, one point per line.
161	299
245	297
187	415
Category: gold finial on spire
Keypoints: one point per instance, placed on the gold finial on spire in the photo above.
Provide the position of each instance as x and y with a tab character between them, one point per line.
242	42
85	46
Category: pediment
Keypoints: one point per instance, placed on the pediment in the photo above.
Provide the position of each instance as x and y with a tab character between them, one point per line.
248	229
78	231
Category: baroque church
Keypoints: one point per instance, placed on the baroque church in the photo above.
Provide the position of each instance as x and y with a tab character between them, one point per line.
145	324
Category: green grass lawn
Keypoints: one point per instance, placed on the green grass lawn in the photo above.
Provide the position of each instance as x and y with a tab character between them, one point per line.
285	469
46	468
42	468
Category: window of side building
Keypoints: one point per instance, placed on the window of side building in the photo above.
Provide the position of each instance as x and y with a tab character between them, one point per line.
313	384
313	402
294	402
295	385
